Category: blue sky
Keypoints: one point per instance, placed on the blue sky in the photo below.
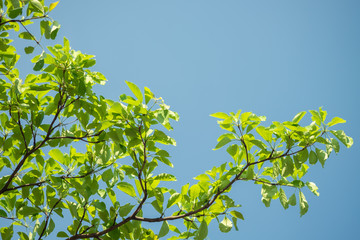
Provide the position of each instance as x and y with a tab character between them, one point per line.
274	58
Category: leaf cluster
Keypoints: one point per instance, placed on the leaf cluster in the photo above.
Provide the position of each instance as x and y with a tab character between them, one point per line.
66	152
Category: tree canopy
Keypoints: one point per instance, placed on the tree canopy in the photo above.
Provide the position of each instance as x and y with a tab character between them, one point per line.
62	148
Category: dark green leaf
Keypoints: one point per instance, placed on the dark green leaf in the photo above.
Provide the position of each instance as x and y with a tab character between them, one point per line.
126	209
312	158
202	231
292	200
62	234
29	50
164	229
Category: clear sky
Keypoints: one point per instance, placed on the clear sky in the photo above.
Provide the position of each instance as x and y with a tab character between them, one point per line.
274	58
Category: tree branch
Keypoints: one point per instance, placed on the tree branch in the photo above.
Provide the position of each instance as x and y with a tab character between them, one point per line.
47	218
35	148
25	185
23	20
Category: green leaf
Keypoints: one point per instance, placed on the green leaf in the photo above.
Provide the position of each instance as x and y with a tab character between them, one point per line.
39	65
225	225
165	177
336	120
174	198
264	133
53	5
335	144
57	155
7	232
107	175
287	166
125	210
283	199
323	114
313	188
237	214
62	234
3	213
322	156
45	28
292	200
202	231
346	140
157	207
54	30
127	188
313	158
23	236
316	117
304	206
29	50
135	90
26	35
222	143
164	229
148	95
37	5
202	177
220	115
298	117
268	190
26	210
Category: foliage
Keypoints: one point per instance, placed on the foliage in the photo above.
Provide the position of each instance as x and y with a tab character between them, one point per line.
61	149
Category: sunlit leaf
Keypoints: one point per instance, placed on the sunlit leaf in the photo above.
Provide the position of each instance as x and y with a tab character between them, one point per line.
53	5
225	225
135	90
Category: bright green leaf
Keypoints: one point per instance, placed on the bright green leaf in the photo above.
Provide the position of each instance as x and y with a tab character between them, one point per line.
174	198
225	225
336	120
53	5
136	91
57	155
298	117
127	188
220	115
346	140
